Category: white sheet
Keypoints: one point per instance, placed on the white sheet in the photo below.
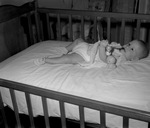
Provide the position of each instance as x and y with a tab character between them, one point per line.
127	85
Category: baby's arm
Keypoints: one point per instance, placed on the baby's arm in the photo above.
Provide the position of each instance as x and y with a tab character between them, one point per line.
102	50
65	59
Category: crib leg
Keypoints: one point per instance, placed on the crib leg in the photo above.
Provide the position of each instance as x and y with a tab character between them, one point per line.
3	120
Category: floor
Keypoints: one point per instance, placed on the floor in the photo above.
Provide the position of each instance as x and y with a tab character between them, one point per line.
39	121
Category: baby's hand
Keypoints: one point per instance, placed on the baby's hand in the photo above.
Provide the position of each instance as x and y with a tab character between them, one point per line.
104	43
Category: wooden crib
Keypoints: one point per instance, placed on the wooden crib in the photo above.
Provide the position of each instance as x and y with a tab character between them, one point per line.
40	18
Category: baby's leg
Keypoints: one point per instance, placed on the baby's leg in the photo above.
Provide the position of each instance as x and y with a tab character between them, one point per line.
73	58
73	44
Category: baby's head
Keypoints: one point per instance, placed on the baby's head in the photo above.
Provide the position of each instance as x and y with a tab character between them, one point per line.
135	50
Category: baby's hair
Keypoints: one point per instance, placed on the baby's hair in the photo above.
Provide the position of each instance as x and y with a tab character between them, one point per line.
145	50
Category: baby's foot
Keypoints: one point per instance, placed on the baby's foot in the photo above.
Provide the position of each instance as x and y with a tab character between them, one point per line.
39	61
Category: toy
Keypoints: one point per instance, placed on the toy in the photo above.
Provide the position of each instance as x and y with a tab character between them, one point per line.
109	50
112	58
111	62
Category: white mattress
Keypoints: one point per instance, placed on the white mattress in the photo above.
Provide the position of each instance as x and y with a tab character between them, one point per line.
127	85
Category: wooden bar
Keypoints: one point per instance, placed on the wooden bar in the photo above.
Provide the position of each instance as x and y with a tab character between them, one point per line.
97	105
59	27
48	26
41	31
30	29
82	27
82	120
40	28
138	29
96	13
14	102
63	115
70	28
52	34
100	30
45	109
125	122
108	30
95	29
30	111
122	33
3	112
103	119
37	21
37	24
20	45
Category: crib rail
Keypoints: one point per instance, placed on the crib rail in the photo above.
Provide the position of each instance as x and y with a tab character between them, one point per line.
8	12
95	13
122	19
82	103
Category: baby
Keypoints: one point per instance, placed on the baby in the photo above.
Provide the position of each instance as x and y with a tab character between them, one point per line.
80	52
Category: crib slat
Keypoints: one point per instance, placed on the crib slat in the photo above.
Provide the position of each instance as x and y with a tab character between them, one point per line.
2	111
45	109
62	112
95	29
28	101
138	29
70	28
81	112
82	27
41	30
37	22
14	102
108	29
99	30
149	125
48	26
103	119
30	29
125	122
59	27
37	25
122	31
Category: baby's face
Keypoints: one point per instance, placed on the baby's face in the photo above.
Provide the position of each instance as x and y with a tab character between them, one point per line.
132	50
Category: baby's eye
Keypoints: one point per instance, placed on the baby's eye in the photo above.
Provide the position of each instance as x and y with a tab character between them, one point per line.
132	49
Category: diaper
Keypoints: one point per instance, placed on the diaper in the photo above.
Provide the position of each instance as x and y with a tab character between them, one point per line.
82	50
88	52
